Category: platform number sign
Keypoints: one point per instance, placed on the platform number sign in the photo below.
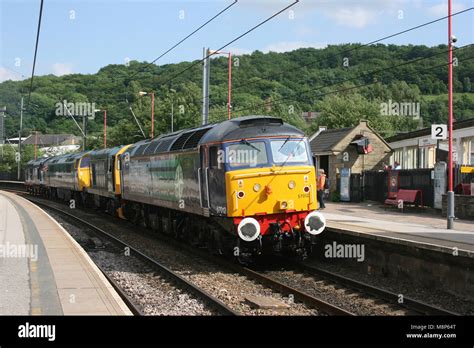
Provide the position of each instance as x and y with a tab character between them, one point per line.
439	131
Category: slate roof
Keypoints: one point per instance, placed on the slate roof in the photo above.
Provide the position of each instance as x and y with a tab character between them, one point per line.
47	139
327	139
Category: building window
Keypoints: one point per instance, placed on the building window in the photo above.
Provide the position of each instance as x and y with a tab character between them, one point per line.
397	156
468	151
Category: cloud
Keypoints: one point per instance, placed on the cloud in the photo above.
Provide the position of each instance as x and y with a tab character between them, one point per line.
305	31
286	46
350	13
359	14
7	74
239	51
353	16
441	10
60	69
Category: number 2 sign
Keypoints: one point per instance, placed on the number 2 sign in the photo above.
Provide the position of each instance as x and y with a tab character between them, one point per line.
439	131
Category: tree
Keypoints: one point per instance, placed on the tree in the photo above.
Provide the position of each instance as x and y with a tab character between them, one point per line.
289	82
467	84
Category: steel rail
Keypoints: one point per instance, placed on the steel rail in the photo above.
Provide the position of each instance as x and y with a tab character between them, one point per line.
176	278
386	295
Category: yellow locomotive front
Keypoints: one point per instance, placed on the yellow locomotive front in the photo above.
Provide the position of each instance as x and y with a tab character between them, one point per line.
271	192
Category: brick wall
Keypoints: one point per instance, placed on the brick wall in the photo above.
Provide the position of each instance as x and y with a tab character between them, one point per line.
358	162
463	206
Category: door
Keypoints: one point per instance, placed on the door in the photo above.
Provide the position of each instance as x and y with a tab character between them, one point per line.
203	177
216	183
75	174
324	164
110	174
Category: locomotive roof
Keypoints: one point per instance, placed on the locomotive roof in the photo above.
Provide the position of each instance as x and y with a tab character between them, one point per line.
234	129
38	161
105	152
67	158
249	127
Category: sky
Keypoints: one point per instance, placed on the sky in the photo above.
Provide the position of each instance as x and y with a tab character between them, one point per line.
81	36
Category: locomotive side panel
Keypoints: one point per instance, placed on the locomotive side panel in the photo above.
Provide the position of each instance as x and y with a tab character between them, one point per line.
136	180
167	180
175	181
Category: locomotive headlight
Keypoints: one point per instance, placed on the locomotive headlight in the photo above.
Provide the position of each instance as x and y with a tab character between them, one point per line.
248	229
257	187
291	185
283	205
315	223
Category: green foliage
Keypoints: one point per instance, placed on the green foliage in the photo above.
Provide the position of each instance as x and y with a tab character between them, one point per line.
8	157
335	196
300	81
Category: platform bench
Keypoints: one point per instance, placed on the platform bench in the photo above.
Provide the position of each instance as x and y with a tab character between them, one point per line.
404	197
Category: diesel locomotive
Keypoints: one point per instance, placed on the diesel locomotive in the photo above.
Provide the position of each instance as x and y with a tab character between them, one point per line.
244	187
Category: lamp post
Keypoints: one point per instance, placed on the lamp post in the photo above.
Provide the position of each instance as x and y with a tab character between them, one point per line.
152	110
450	196
36	144
19	138
105	125
229	82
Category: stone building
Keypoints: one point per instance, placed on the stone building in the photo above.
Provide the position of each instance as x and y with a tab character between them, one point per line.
358	148
54	144
48	140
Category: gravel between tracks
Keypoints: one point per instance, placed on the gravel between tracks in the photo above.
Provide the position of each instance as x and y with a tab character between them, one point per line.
430	296
153	293
232	288
229	287
352	301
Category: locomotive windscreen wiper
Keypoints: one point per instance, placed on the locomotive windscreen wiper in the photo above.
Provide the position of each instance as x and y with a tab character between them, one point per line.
249	144
284	143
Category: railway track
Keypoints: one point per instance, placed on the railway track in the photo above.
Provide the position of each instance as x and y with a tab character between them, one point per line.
298	295
178	280
390	298
383	294
302	296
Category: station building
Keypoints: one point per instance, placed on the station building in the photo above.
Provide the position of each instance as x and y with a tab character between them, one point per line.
358	148
416	150
54	144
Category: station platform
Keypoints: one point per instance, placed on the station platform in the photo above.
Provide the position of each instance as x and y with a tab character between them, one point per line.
420	229
44	271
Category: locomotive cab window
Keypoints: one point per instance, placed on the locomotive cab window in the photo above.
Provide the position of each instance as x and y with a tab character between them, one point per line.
246	154
289	151
85	162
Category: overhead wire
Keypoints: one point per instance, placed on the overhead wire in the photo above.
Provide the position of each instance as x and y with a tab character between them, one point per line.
230	42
